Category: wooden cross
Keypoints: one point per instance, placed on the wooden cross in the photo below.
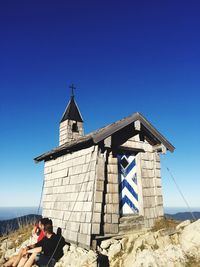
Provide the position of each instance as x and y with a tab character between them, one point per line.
72	87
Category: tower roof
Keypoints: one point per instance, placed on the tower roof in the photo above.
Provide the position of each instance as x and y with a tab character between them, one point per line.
72	112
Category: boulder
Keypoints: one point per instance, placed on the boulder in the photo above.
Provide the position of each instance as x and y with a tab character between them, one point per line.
77	256
7	244
171	256
190	240
2	261
105	244
9	253
182	225
114	250
149	240
162	241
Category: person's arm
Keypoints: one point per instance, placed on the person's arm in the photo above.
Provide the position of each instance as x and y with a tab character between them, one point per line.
40	243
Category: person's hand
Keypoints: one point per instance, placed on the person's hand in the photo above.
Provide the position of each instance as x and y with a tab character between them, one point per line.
24	252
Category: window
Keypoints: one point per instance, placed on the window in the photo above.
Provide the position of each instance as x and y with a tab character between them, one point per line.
74	127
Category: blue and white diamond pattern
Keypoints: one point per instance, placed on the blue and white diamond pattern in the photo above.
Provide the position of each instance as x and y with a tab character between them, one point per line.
128	187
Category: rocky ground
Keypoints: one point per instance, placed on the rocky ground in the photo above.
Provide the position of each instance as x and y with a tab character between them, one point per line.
178	247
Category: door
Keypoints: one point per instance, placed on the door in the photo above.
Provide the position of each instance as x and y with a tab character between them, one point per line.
128	186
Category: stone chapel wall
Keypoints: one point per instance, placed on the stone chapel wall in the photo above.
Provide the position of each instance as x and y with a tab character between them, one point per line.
69	192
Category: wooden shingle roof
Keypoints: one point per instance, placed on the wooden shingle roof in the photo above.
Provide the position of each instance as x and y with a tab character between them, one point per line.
102	133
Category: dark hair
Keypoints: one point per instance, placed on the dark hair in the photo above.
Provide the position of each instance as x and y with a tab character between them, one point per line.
46	221
48	228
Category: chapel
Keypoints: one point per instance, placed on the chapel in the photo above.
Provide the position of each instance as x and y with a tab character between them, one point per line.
104	183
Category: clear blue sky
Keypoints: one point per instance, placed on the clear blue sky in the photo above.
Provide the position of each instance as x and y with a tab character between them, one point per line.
123	56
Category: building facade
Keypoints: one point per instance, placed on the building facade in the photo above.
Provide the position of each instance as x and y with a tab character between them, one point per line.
104	183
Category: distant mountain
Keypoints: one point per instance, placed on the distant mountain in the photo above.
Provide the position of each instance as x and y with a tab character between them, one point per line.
182	216
7	226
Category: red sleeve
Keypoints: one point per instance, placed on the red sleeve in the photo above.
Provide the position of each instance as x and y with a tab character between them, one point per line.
41	236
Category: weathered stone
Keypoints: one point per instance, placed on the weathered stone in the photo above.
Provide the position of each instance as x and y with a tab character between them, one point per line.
112	208
114	250
113	178
98	197
107	218
95	228
112	188
96	217
190	240
106	243
115	218
98	207
112	168
99	185
182	225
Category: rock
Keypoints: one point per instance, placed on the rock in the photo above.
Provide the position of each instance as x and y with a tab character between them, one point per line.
130	243
77	256
9	253
163	241
147	258
174	239
175	255
149	239
105	244
7	244
183	224
73	247
190	240
171	256
138	244
81	251
114	250
2	261
65	249
124	242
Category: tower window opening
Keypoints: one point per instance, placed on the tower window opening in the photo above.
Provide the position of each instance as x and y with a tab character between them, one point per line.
74	127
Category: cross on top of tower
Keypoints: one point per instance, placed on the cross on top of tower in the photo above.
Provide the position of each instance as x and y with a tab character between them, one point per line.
72	87
72	111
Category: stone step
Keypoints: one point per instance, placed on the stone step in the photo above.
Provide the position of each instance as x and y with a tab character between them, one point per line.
131	223
125	228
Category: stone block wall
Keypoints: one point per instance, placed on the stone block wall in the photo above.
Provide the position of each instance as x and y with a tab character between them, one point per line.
69	193
66	132
152	189
99	196
111	206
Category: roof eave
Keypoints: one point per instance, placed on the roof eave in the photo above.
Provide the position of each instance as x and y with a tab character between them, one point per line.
62	150
136	116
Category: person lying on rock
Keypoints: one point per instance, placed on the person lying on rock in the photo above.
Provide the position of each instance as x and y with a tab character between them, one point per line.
45	252
37	233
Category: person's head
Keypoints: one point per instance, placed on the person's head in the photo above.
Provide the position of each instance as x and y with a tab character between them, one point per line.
48	229
43	222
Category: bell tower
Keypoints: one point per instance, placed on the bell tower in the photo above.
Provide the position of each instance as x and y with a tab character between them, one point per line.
71	124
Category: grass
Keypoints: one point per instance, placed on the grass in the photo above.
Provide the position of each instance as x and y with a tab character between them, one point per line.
164	223
20	235
192	263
